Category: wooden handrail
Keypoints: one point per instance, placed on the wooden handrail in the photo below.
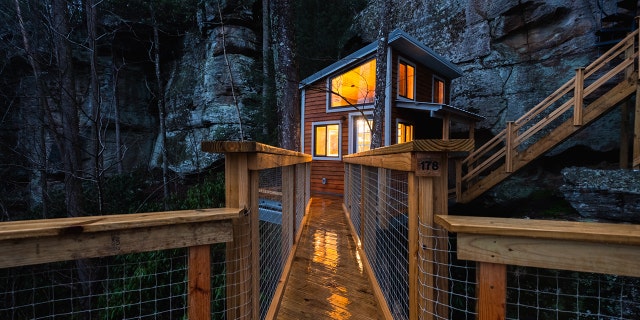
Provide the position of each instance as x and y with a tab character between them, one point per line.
522	130
495	243
52	240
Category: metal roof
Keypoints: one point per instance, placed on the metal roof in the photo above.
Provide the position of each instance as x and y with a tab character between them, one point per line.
401	42
436	109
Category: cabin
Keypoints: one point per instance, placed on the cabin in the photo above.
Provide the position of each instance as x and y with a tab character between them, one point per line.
337	105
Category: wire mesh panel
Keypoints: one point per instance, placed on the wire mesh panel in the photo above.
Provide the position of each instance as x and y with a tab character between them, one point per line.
150	285
272	253
301	196
386	235
354	195
534	293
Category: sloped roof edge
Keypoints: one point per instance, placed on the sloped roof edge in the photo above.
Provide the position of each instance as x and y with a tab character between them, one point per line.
408	47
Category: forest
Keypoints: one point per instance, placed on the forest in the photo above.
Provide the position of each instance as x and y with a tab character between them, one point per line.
90	124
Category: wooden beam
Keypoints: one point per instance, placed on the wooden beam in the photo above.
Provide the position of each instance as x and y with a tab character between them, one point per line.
425	295
492	291
401	162
245	147
509	147
578	97
581	256
24	251
199	294
627	234
261	161
428	145
121	222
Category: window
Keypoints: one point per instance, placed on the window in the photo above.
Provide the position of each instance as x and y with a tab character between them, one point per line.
438	90
356	86
361	134
406	80
326	139
405	132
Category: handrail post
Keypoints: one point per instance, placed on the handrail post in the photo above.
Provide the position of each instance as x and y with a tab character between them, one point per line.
240	284
578	97
199	275
492	290
510	138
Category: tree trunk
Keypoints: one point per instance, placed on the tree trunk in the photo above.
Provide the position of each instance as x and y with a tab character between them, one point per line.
41	166
116	115
286	75
384	8
96	121
161	108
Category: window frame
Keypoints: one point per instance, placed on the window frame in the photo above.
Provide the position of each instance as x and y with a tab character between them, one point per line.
444	90
405	123
407	63
365	105
313	140
352	134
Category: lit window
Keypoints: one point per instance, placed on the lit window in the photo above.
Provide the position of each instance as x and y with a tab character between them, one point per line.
438	91
406	80
362	134
405	132
356	86
327	140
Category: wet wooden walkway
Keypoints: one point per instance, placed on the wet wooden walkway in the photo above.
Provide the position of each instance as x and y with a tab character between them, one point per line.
327	280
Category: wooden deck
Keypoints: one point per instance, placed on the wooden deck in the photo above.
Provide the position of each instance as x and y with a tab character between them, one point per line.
327	280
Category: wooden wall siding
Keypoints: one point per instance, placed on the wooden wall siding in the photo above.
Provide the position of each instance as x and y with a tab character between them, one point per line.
316	111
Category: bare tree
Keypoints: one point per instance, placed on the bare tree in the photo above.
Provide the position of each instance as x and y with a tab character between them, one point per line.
384	17
286	75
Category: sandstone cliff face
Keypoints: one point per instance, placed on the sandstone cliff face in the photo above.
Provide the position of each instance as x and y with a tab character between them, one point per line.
513	53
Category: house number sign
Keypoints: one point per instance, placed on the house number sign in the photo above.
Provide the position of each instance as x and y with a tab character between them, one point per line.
428	165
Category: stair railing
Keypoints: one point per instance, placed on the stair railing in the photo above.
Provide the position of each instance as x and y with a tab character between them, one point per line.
503	150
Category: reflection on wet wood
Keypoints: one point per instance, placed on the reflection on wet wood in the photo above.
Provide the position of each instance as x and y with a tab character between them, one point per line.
327	280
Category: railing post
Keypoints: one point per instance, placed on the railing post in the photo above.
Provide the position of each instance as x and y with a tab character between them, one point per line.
492	290
199	295
636	131
240	282
363	173
288	210
428	247
578	97
510	138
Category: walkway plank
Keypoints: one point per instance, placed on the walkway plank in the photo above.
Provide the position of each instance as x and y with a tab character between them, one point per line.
327	280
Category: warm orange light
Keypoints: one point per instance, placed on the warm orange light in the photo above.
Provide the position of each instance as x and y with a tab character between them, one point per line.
356	86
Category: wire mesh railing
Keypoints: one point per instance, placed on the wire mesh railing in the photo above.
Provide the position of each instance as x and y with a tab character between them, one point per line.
225	263
135	266
425	270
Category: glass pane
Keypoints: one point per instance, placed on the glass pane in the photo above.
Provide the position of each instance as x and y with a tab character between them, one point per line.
402	80
363	135
410	81
356	86
321	140
438	91
333	140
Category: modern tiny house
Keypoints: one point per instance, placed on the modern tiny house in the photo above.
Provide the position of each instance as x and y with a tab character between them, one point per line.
337	105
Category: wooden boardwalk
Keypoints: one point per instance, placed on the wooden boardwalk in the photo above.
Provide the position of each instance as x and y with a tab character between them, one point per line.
327	280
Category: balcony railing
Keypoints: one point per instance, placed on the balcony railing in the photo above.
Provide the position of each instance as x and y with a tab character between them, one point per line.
226	263
429	265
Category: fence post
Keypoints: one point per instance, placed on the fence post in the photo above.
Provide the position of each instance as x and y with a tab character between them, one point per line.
199	295
413	212
288	210
578	97
240	282
492	290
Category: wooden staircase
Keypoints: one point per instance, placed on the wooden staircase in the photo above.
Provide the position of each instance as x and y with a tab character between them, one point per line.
591	93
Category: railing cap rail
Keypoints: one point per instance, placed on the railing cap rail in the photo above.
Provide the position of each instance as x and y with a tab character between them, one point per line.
246	147
23	229
427	145
626	234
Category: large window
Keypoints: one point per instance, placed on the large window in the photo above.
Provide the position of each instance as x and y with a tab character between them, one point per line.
406	80
356	86
326	140
361	134
405	132
438	90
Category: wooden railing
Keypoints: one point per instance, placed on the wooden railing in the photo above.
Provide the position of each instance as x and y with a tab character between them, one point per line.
243	163
24	243
576	246
551	121
32	242
374	198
